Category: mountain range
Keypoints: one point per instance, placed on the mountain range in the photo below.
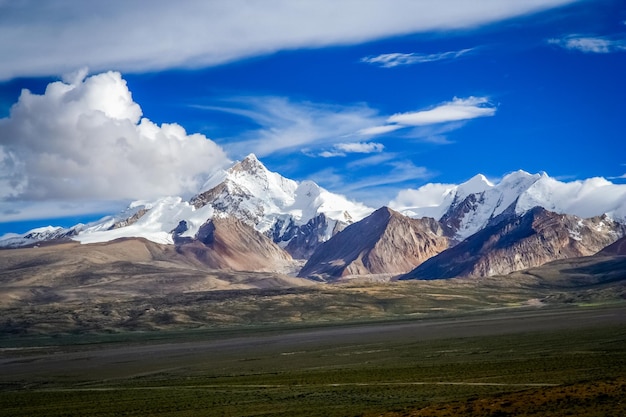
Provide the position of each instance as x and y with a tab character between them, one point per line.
247	218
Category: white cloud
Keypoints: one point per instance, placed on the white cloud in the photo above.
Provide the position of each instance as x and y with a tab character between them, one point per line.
432	124
341	149
313	128
378	130
396	171
590	44
429	195
287	126
360	147
457	109
398	59
48	37
331	154
87	140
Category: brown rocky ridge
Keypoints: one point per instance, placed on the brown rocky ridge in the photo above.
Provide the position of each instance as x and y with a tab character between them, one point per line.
228	243
616	248
519	242
124	269
385	242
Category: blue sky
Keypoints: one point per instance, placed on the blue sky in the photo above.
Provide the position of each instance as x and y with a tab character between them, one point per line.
364	98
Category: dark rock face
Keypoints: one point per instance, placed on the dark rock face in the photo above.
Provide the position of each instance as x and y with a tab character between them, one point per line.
385	242
520	242
301	241
451	220
617	248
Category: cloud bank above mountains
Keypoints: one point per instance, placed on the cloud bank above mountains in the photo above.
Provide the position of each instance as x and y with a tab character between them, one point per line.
54	37
84	138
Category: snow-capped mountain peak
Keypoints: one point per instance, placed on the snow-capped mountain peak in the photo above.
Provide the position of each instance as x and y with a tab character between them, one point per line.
276	206
34	236
466	208
250	164
477	184
249	190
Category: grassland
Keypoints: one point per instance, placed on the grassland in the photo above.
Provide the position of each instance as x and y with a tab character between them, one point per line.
559	361
547	341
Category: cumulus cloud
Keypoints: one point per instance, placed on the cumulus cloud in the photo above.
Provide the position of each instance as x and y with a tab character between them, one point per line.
399	59
47	37
85	138
429	195
590	44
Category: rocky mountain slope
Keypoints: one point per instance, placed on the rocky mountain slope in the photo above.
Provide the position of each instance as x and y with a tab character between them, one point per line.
385	242
521	241
298	216
229	243
617	248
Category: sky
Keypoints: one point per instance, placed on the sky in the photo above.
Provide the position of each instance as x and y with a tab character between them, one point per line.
102	103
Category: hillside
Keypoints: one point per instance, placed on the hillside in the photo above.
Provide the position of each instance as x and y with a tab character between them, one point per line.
385	242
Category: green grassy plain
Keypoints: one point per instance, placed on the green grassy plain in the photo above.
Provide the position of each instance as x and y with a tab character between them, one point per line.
460	365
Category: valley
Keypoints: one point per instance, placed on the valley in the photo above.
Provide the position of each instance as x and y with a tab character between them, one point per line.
262	295
137	285
152	338
525	362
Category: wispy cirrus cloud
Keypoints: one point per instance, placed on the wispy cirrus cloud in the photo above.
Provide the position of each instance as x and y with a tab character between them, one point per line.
332	130
379	130
288	126
445	116
400	59
49	37
397	171
455	110
590	44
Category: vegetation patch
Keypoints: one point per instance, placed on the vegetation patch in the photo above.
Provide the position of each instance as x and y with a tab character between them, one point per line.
406	369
